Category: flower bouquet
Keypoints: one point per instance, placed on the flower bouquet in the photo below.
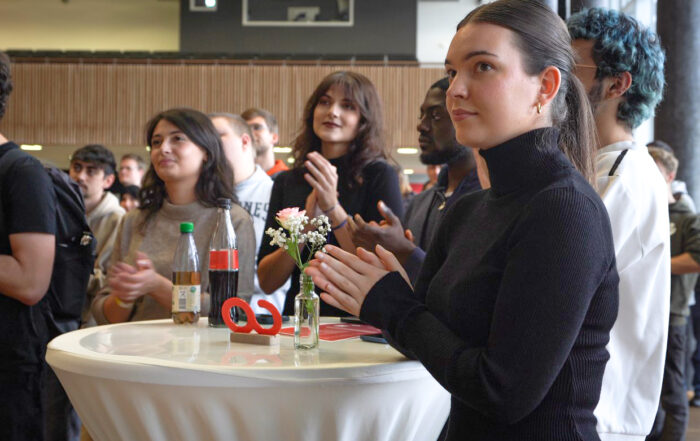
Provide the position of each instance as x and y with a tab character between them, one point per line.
291	237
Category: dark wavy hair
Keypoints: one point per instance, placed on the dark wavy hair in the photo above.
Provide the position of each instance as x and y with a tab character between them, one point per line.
543	40
442	84
98	155
216	178
5	82
368	145
623	45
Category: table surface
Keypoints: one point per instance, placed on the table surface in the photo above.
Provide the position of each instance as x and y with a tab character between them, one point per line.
198	347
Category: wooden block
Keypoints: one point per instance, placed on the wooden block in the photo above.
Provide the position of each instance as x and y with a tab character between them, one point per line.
254	338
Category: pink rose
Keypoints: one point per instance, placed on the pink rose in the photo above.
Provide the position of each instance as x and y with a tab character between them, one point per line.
290	216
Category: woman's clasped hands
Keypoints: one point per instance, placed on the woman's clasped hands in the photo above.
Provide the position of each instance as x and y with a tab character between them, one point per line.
128	282
323	178
346	279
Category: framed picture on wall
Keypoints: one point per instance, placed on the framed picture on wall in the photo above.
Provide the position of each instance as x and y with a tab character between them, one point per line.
299	13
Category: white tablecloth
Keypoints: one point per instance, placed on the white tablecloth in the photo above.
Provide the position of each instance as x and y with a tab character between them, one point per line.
159	381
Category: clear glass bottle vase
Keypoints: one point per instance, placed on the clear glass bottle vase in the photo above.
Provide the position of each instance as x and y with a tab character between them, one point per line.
306	315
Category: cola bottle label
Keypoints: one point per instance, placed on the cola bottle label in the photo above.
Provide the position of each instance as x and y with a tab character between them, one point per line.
223	260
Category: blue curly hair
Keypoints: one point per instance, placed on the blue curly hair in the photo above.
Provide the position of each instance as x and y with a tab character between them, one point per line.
623	45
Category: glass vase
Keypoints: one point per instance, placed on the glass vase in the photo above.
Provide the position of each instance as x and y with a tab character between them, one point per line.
306	315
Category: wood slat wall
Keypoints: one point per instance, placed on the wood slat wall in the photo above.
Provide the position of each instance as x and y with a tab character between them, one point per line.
76	104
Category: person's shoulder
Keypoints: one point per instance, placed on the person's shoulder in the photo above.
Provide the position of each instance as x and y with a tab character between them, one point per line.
636	179
24	170
238	213
22	161
377	167
114	208
288	175
421	197
627	164
131	220
572	193
260	179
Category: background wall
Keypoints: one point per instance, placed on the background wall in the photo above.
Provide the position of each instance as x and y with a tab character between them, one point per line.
71	104
436	24
135	25
382	27
65	104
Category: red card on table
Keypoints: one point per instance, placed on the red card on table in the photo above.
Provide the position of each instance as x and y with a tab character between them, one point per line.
337	331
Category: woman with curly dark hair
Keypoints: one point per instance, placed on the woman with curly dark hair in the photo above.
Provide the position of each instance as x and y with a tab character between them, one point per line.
340	169
188	173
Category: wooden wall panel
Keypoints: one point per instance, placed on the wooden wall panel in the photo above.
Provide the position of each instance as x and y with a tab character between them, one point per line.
76	104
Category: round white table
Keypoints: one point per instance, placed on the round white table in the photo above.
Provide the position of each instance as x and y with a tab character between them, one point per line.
154	380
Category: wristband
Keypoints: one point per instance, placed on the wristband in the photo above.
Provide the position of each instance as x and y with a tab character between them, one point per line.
340	225
122	304
329	210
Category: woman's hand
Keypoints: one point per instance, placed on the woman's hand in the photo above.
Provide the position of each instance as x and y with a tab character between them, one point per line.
311	207
346	278
323	178
128	282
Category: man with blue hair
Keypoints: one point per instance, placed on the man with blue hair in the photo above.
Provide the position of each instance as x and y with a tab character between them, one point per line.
620	64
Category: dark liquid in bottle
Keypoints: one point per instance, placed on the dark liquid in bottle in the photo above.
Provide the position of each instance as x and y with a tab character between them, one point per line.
186	278
222	286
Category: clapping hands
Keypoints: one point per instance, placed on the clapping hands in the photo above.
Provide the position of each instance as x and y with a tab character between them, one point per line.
128	282
346	279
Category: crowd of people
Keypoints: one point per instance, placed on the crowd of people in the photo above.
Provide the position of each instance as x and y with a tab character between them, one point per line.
544	277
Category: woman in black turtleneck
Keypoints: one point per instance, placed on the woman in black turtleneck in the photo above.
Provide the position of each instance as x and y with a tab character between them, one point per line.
340	169
518	292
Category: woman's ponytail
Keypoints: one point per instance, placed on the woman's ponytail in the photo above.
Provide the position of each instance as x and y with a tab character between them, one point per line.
577	138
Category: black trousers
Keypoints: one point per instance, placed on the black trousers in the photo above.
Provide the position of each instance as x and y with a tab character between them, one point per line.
22	406
62	421
672	417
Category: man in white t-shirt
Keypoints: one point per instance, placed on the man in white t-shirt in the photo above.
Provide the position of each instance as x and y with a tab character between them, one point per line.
253	187
621	66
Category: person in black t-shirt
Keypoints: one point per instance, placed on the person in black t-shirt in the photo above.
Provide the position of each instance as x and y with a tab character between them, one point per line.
27	245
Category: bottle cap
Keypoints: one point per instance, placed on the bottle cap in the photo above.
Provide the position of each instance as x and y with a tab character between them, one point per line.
186	227
224	203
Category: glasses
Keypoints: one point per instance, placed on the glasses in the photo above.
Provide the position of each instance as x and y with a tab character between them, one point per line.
587	66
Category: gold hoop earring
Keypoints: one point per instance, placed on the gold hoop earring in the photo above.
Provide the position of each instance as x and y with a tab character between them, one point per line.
539	108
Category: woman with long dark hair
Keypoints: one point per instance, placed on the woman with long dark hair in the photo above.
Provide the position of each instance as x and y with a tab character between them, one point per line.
188	173
512	310
340	169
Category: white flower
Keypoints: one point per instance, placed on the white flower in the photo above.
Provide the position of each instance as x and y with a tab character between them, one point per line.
290	235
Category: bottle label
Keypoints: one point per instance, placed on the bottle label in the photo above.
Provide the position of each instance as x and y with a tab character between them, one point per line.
223	260
234	260
187	298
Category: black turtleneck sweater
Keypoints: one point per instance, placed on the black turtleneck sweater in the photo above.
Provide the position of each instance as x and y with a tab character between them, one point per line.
379	181
514	303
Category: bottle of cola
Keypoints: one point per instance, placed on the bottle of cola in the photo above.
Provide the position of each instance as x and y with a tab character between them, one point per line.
223	265
187	278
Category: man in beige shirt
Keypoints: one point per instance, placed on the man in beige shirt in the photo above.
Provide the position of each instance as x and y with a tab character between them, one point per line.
93	168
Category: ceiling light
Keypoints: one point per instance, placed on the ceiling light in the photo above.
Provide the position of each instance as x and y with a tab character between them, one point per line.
282	149
290	160
408	171
406	150
31	147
